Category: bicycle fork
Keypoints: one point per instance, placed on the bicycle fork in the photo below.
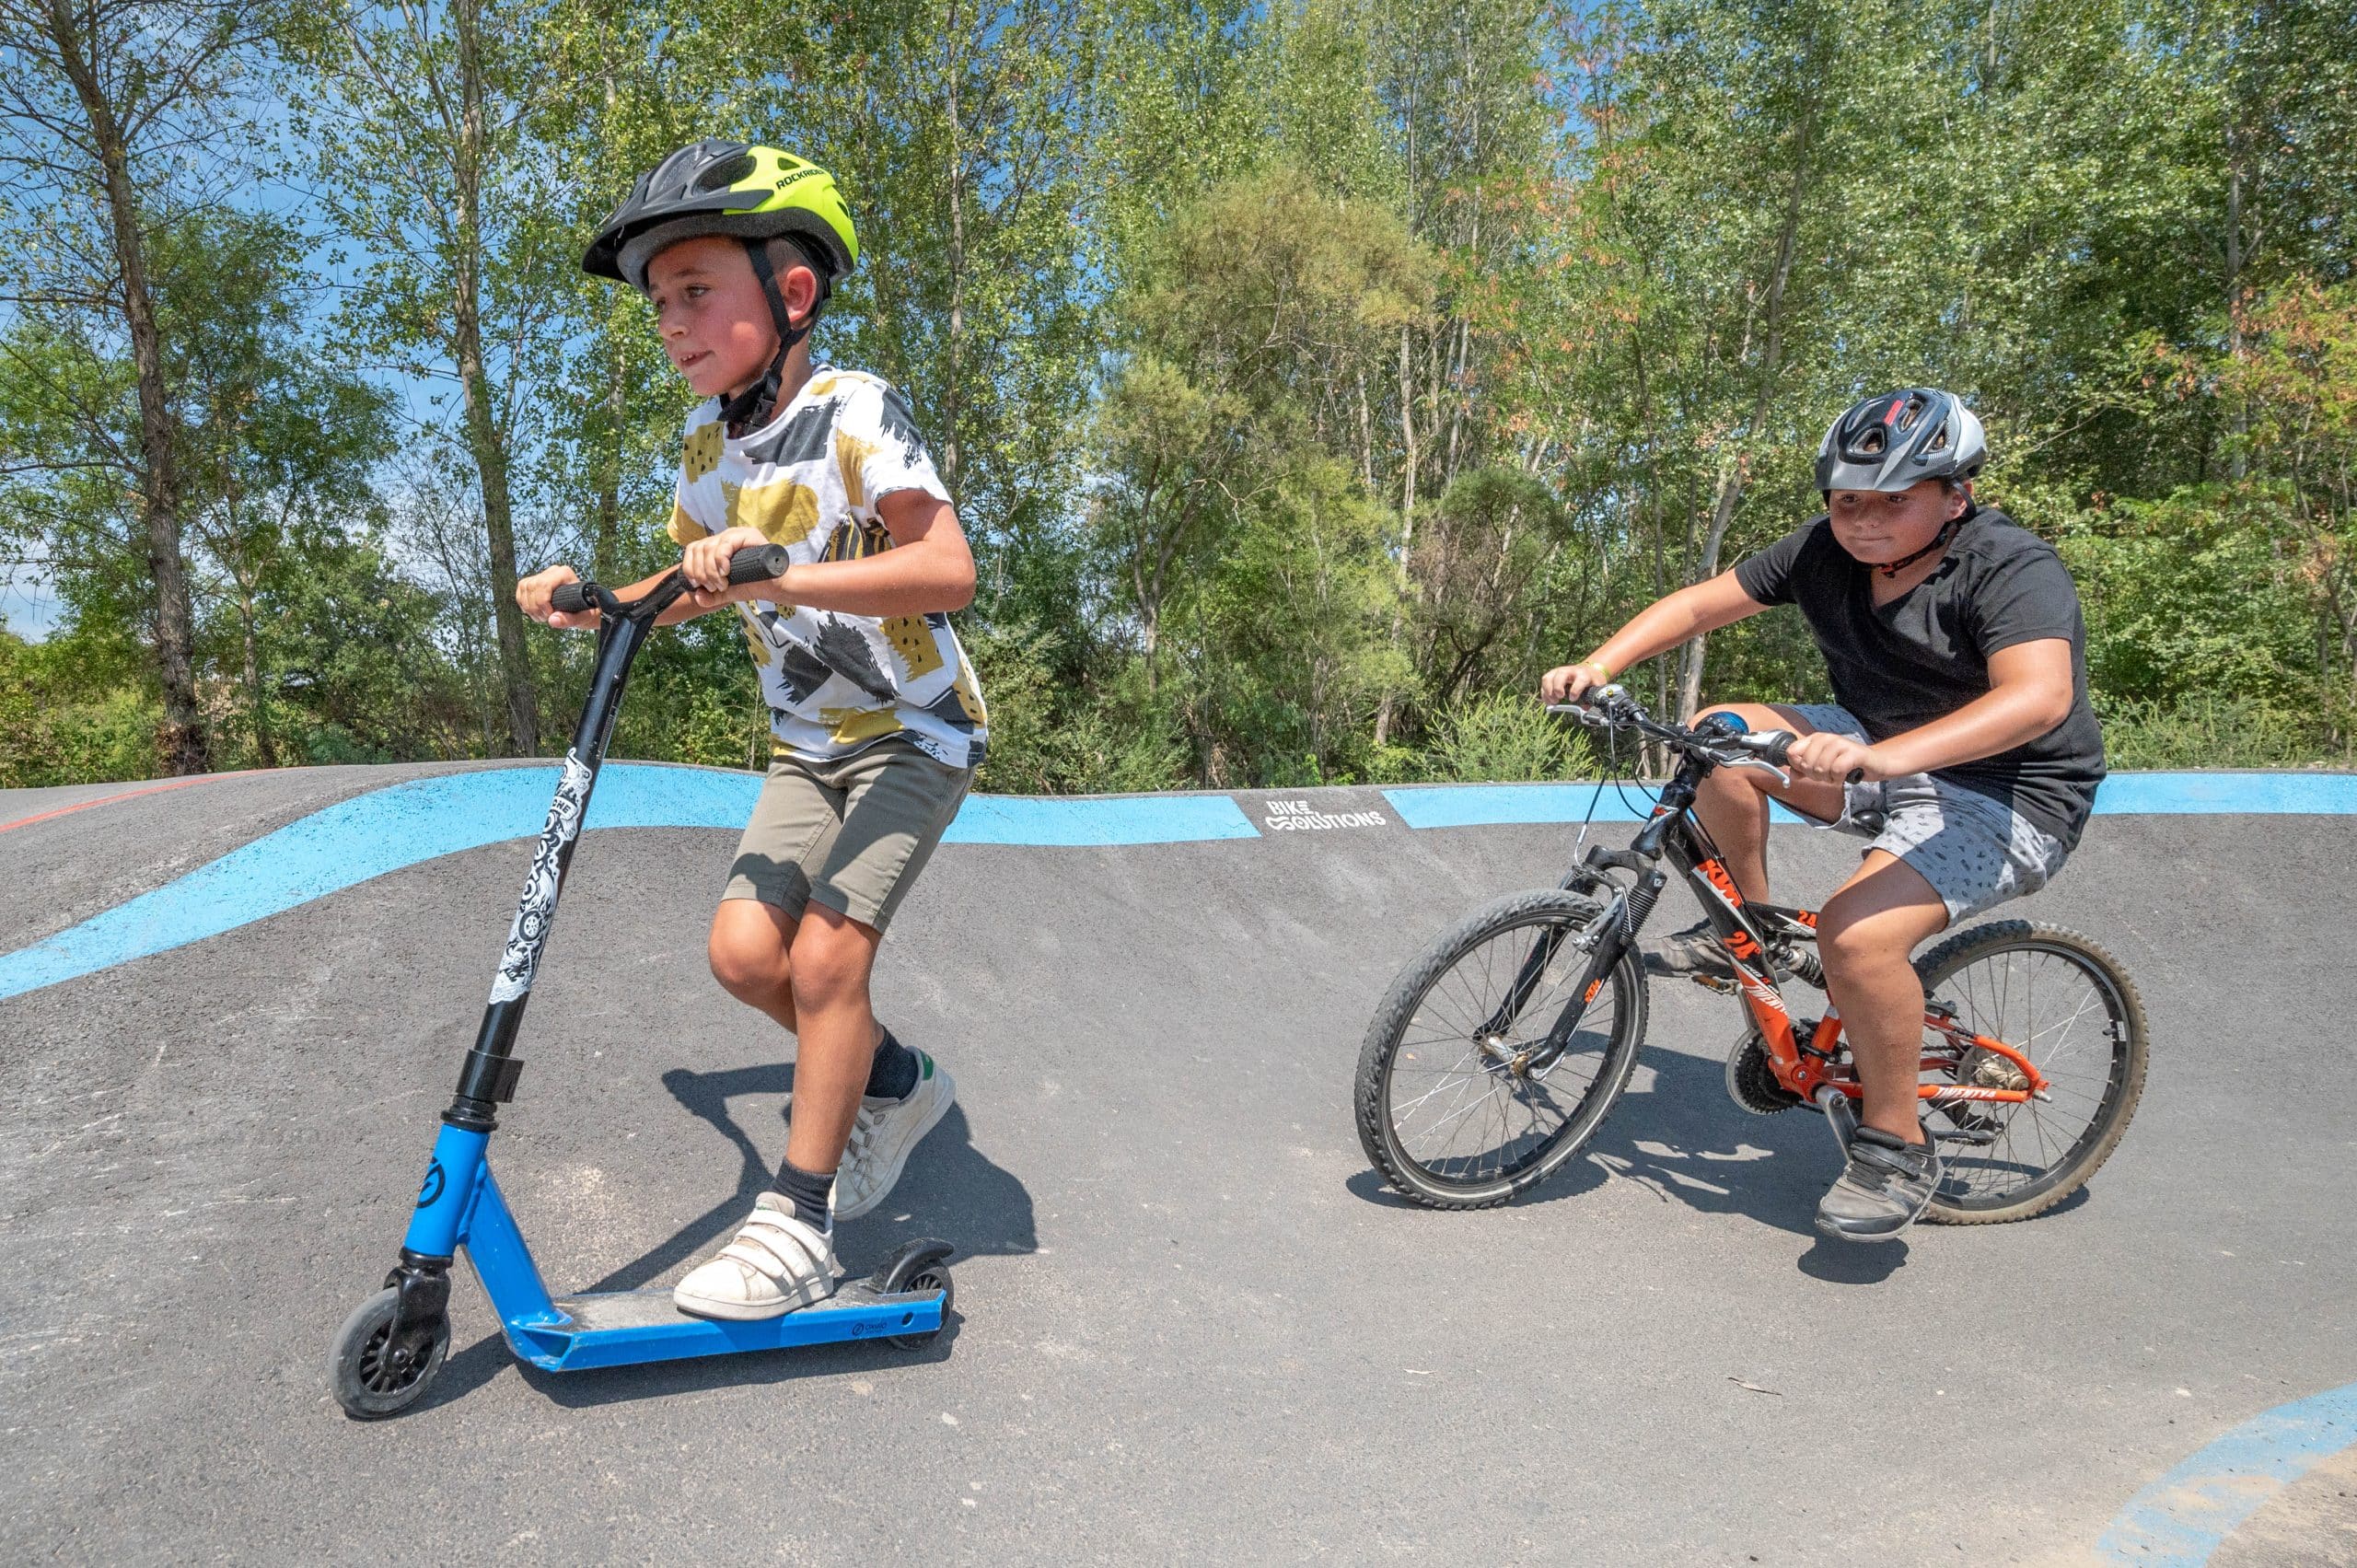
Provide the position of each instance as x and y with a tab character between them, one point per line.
1614	933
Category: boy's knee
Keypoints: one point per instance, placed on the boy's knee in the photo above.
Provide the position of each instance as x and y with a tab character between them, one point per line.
830	961
1854	941
747	970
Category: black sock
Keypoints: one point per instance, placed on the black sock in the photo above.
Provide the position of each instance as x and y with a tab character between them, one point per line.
807	1193
894	1077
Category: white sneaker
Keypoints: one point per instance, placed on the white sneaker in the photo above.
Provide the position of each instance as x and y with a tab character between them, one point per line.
776	1263
882	1135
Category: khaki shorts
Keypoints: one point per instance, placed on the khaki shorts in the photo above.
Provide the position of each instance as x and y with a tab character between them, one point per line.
852	833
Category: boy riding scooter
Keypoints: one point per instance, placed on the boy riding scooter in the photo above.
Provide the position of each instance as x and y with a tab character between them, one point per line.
877	715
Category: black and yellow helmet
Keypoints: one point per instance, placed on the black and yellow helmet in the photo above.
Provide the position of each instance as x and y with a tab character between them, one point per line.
727	188
749	193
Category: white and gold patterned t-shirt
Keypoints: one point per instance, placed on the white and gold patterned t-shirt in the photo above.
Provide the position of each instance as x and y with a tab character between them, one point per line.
809	480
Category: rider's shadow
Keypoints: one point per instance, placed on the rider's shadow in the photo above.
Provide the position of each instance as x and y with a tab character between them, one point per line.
1680	1136
950	1188
949	1191
1676	1133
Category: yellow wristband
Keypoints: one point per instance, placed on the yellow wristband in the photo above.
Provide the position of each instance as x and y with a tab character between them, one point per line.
1603	672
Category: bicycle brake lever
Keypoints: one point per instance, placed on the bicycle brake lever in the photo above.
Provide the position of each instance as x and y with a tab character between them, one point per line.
1742	759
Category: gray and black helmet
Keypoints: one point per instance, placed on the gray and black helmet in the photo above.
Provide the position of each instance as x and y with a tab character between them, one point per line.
1896	439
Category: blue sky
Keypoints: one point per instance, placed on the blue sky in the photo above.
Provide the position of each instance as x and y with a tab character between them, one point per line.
27	607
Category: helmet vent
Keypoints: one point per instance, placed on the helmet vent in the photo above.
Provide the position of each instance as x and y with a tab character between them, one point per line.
720	177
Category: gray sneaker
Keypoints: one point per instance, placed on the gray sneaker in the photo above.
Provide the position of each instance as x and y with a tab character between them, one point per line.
1691	954
1885	1188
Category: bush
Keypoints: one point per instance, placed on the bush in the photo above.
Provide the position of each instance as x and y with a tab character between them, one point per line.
2219	732
1506	737
1045	741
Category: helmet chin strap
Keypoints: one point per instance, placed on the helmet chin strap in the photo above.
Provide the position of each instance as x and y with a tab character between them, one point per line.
1939	542
756	402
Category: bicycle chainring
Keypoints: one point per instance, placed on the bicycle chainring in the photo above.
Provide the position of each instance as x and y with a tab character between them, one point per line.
1751	1078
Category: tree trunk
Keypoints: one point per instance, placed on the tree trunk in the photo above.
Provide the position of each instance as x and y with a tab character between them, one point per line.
486	443
605	545
605	542
1731	475
265	755
181	742
1406	520
951	399
2237	459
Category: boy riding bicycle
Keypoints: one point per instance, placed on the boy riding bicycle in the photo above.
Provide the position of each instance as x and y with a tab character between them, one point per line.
1961	743
877	715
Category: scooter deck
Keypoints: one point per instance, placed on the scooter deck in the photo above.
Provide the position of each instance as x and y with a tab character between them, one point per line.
619	1328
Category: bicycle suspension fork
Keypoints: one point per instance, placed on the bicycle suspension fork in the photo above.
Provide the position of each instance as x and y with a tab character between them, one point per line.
1615	931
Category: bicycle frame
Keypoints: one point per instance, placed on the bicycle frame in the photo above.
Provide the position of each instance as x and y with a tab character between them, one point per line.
1805	1062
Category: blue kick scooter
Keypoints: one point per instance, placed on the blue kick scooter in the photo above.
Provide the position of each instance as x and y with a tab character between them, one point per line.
391	1346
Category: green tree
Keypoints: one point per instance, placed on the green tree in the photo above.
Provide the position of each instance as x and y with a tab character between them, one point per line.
115	115
421	122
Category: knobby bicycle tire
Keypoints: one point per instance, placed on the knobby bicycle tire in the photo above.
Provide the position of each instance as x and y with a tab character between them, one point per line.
1380	1059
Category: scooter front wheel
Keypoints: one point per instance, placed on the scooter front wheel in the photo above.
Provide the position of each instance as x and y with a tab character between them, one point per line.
372	1376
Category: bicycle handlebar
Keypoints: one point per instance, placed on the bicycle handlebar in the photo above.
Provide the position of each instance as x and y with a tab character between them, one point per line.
754	563
1611	707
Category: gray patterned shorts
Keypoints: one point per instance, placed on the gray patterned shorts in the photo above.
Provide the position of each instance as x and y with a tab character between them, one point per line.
1975	852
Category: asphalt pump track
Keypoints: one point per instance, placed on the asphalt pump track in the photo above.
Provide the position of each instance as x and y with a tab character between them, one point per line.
1192	1327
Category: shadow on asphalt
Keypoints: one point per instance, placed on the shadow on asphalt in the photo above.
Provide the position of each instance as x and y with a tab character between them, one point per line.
484	1360
976	1206
1684	1141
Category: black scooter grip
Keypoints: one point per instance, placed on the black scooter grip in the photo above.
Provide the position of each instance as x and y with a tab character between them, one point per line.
758	564
569	599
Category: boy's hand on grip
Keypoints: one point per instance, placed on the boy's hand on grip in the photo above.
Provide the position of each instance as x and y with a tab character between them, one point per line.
533	594
705	563
1834	759
1570	682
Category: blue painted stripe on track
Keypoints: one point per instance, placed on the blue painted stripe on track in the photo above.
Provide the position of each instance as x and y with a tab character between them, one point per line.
2122	794
2184	1515
1078	820
2239	794
403	824
1487	805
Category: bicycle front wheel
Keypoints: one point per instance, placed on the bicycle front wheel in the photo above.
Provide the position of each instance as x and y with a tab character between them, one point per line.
1460	1104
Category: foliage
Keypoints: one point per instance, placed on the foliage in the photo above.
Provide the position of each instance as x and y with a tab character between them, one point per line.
1310	377
1506	737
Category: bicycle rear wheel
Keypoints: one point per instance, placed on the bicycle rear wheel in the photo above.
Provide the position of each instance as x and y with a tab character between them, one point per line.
1453	1108
2067	1006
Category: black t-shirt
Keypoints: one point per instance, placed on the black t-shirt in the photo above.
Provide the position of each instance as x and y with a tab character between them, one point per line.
1925	653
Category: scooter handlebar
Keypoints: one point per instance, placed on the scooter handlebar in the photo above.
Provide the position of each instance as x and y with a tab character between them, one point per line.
754	563
758	564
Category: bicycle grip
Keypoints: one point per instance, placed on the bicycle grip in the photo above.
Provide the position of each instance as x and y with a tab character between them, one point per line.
758	564
570	598
1777	746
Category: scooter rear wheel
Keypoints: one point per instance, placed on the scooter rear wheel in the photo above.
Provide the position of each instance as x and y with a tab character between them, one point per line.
932	1276
372	1378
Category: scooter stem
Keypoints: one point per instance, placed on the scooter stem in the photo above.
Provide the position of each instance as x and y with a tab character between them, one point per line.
488	1077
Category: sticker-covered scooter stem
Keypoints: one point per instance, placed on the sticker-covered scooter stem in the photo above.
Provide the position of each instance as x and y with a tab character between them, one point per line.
538	907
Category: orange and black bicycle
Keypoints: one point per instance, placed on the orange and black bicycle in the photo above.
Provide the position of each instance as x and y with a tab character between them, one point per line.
1497	1054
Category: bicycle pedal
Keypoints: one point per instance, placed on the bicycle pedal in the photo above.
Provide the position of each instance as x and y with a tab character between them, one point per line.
1714	983
1976	1136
